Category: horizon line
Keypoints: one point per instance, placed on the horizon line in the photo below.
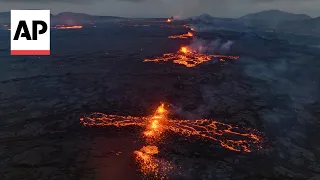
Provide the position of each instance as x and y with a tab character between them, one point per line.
55	14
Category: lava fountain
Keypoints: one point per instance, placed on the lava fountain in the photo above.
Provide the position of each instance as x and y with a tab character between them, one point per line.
185	56
155	123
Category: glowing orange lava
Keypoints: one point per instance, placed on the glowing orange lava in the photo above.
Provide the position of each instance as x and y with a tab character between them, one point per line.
188	58
188	27
185	50
228	136
182	36
151	150
67	27
155	123
150	165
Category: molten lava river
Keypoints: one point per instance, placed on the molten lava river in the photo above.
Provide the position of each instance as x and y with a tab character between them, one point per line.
228	136
182	36
189	58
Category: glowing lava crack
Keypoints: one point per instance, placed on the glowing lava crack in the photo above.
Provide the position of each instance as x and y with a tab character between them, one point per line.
189	58
182	36
228	136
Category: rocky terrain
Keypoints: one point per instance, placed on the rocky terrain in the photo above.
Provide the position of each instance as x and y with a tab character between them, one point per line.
272	87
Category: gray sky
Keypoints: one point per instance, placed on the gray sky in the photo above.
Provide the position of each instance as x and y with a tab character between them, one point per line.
164	8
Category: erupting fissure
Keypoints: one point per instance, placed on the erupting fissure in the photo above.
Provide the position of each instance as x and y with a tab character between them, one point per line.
182	36
228	136
185	56
154	124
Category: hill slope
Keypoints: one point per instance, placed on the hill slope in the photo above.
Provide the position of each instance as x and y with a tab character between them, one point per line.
270	19
275	15
309	26
66	18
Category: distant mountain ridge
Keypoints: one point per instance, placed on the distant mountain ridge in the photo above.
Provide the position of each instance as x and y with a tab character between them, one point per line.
276	15
69	18
270	20
266	20
309	26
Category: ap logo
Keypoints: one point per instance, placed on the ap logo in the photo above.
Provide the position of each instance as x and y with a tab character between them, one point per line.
30	32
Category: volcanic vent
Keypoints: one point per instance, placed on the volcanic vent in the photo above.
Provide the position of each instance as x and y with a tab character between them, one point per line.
228	136
189	58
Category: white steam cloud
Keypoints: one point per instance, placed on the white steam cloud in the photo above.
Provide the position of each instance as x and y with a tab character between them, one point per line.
215	46
226	46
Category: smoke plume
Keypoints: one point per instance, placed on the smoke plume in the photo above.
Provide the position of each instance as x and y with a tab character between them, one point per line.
215	46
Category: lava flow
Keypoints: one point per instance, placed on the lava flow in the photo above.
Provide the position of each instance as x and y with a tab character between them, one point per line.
67	27
155	124
145	158
182	36
228	136
151	165
189	58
